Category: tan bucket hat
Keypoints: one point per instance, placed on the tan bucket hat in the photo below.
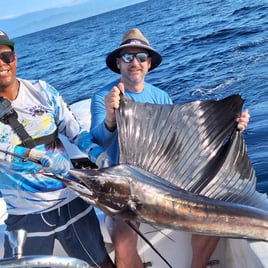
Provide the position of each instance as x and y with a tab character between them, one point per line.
133	38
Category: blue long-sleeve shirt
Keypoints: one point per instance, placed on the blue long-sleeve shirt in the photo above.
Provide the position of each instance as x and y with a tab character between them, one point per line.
107	139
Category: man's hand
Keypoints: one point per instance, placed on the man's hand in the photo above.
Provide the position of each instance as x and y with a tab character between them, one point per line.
99	157
54	163
243	120
51	161
112	101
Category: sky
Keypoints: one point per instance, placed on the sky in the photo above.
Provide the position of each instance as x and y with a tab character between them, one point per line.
14	8
19	17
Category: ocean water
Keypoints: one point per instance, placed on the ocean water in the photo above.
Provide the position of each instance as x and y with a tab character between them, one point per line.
211	49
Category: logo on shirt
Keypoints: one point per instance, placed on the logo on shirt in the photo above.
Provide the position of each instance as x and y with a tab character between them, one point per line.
38	110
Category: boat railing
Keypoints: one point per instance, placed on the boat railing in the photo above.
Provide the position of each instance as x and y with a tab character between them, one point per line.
17	239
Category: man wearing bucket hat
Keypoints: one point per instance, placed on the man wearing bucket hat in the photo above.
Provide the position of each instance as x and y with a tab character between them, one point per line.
32	113
133	59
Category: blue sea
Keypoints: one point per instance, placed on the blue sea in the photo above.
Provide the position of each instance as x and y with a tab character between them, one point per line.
211	49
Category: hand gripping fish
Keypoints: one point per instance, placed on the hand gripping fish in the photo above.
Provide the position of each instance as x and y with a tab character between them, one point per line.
182	166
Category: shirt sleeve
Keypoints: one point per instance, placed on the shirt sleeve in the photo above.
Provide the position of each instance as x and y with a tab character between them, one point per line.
100	133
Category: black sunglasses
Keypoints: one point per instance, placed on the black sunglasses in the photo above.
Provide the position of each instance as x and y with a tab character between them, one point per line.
7	57
129	57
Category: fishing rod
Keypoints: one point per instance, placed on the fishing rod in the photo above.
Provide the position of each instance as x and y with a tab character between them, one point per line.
149	243
25	159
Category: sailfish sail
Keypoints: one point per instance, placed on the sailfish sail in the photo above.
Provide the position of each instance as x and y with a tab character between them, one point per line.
194	146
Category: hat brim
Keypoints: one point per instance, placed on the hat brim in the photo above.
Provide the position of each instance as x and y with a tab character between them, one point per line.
7	43
156	58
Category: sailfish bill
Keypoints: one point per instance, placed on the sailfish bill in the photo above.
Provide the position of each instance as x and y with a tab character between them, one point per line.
181	166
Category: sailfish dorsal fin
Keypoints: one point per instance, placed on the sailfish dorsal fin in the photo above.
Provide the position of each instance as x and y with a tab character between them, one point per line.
194	146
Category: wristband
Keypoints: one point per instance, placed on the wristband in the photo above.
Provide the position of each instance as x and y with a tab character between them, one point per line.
27	155
111	125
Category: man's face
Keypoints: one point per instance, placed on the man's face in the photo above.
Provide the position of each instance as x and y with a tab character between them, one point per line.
8	63
133	66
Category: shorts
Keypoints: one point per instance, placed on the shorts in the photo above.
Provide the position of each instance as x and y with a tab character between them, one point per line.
75	225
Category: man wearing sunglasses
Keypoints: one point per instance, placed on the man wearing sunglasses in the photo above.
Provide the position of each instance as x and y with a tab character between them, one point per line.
133	59
32	113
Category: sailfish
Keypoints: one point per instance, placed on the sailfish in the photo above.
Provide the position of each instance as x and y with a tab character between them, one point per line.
182	166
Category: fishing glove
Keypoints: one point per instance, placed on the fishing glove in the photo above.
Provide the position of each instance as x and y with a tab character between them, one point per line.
85	142
98	156
51	161
55	163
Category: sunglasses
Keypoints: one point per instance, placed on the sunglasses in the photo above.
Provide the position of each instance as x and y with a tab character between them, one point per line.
129	57
7	57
